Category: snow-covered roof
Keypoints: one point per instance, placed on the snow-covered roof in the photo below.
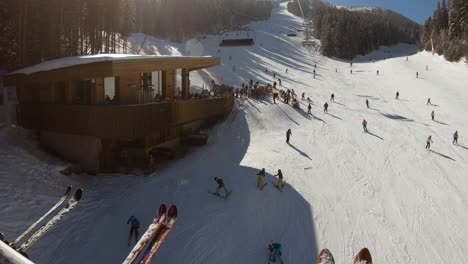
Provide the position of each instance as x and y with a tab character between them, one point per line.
358	8
80	60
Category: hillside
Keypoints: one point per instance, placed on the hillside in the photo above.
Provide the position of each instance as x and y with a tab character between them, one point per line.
346	189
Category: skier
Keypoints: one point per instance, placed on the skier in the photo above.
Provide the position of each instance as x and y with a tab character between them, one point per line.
367	103
308	99
303	96
455	138
275	251
364	125
314	74
288	135
261	179
281	181
325	107
432	115
279	81
428	142
417	75
351	71
309	108
428	101
134	228
397	95
274	75
377	72
287	70
221	185
332	98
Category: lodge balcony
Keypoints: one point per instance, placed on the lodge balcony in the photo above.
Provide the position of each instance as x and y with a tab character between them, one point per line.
120	121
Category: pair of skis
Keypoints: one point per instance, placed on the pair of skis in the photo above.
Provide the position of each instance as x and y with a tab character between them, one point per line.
39	228
221	196
53	217
154	236
363	257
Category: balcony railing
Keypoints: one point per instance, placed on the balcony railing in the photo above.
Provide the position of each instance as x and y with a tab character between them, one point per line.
120	121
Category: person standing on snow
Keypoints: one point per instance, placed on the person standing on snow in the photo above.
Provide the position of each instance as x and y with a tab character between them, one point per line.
222	186
428	142
364	125
325	107
455	138
281	181
332	98
261	179
134	228
275	251
417	75
309	108
428	101
397	95
367	103
377	72
288	135
432	115
303	96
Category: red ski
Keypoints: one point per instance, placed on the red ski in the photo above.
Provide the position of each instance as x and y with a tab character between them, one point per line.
147	236
325	257
161	236
363	257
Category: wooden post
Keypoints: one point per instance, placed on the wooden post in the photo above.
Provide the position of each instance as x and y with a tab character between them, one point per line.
168	84
185	83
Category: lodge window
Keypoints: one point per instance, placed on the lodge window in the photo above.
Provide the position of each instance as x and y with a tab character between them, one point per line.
82	92
60	93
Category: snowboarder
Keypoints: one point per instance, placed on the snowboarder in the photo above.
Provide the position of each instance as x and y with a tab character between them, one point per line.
222	186
134	228
281	181
364	125
325	107
367	103
275	251
332	98
397	95
432	115
288	135
309	108
428	142
261	179
303	96
428	101
455	138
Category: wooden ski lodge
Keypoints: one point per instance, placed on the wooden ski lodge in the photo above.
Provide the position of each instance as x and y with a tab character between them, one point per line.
105	112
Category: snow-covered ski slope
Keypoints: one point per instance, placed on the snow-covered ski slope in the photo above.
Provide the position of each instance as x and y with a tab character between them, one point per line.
346	190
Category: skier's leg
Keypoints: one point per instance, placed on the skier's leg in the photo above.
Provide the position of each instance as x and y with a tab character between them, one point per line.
130	236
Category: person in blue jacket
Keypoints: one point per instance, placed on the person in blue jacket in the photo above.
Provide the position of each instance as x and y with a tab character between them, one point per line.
134	228
275	251
288	135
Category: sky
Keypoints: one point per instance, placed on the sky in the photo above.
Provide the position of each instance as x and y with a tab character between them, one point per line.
416	10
